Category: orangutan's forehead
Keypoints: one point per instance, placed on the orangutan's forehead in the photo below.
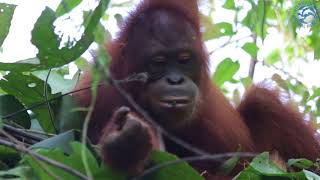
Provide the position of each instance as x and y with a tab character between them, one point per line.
162	29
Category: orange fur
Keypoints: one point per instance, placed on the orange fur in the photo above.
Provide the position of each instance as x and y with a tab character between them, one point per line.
262	122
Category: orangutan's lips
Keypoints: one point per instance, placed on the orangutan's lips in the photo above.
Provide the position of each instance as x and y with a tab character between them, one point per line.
175	102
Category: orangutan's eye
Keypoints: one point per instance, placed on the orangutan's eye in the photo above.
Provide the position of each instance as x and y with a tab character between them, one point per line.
184	57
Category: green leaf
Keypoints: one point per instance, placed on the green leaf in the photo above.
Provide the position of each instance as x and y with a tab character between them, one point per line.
207	26
316	93
248	175
174	171
246	82
261	18
6	13
28	89
101	34
66	6
8	105
310	175
222	29
300	163
262	167
82	64
315	41
21	172
256	18
262	164
48	43
73	160
229	4
229	165
225	71
273	57
250	19
9	155
251	48
46	40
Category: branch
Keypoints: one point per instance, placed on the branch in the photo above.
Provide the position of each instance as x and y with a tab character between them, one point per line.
228	42
254	60
48	103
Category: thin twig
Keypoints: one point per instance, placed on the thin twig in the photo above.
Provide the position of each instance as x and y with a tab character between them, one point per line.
48	103
228	42
286	73
37	132
215	157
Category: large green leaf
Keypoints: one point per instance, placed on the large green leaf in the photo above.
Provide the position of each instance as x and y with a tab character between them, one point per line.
6	13
29	90
48	43
225	71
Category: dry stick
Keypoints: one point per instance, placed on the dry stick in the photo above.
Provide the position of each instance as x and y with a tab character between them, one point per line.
28	131
39	157
215	157
21	133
